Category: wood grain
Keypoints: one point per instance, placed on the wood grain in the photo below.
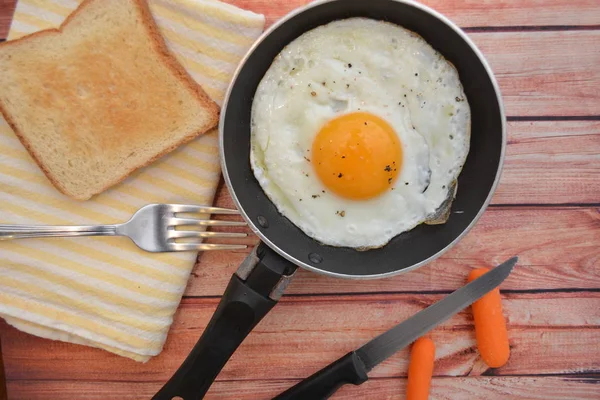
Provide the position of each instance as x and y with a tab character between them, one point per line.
551	162
7	8
548	73
466	13
558	249
473	13
318	330
3	393
463	388
538	82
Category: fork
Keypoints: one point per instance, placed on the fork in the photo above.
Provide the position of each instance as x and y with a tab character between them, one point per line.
151	228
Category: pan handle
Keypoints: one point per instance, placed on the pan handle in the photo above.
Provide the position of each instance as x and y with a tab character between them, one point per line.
252	292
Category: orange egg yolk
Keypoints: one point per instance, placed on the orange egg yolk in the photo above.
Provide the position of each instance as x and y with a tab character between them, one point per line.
357	156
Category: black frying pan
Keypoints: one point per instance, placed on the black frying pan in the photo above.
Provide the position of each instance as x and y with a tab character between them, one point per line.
260	281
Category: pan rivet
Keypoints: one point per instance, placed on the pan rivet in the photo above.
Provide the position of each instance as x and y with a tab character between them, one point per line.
315	258
260	251
262	221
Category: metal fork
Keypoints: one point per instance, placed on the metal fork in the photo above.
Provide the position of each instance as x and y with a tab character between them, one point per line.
151	228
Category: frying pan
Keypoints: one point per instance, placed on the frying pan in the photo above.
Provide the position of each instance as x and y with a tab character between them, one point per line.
259	282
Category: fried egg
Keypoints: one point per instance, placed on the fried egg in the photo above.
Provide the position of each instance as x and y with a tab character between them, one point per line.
359	131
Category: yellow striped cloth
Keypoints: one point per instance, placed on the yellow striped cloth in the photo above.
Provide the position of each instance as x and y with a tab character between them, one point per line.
105	292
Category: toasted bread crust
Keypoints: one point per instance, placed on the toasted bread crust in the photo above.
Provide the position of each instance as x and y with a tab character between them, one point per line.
166	57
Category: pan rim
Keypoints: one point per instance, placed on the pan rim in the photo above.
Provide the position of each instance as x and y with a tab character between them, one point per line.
309	267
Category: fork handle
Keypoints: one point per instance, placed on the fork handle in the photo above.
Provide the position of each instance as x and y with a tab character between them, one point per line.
32	231
246	301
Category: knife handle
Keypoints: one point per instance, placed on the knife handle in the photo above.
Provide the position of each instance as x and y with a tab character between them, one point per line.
324	383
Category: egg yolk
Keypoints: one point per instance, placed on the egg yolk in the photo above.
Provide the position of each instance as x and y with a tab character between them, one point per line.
357	156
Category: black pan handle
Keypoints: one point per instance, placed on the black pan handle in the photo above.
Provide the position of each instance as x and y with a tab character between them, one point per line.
252	292
324	383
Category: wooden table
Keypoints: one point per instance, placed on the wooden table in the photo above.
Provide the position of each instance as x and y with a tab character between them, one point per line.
546	55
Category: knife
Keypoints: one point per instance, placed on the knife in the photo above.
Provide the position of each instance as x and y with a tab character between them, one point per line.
354	366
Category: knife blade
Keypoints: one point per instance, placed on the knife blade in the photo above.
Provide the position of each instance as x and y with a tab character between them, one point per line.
354	366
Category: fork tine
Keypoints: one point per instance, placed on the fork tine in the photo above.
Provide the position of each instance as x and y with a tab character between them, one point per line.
204	246
197	234
202	222
186	208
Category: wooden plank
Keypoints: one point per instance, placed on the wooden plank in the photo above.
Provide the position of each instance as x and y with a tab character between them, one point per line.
466	13
7	8
540	73
467	388
548	162
3	393
551	162
303	334
470	13
558	249
543	73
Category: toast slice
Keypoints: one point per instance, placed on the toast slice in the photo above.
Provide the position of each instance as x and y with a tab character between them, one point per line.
99	97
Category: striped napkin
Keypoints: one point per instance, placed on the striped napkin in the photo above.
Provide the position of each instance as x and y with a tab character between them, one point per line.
105	292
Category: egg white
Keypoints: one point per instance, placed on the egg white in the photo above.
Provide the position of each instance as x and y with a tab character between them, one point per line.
354	65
